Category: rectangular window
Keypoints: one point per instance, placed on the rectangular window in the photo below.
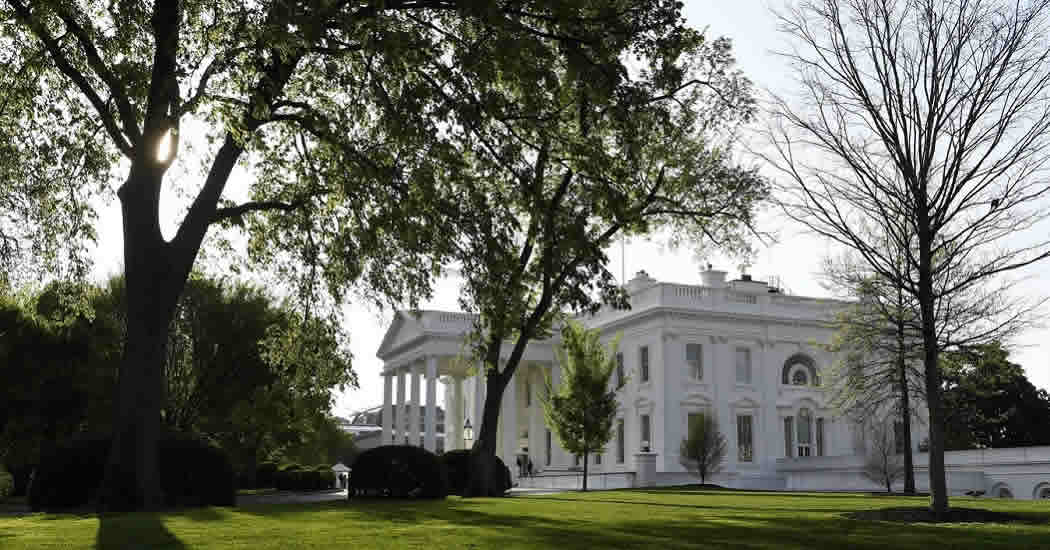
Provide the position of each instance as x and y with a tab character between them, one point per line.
693	354
619	368
744	438
643	360
597	459
820	437
621	452
528	394
789	439
743	365
644	431
898	437
805	434
692	420
548	455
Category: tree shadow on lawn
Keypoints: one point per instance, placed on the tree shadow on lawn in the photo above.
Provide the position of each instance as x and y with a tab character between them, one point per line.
734	529
145	529
489	526
712	506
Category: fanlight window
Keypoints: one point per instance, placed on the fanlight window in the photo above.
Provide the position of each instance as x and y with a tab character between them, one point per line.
799	378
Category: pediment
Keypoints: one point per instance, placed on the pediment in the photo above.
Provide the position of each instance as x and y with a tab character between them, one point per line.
745	403
696	400
405	328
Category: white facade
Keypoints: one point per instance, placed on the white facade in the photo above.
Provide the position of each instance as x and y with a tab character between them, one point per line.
738	350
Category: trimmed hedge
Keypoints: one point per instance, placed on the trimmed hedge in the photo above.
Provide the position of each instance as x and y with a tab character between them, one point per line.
192	473
293	477
458	466
398	471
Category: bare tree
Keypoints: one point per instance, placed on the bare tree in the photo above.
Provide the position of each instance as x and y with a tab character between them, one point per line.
923	124
883	464
880	353
704	449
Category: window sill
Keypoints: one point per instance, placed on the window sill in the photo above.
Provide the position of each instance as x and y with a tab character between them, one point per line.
740	386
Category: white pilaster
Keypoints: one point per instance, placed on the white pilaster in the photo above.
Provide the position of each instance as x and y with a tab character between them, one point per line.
479	401
413	411
430	417
388	409
454	428
399	433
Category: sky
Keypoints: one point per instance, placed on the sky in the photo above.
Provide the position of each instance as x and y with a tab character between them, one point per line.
795	257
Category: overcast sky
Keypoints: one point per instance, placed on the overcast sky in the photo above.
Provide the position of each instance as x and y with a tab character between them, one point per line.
795	258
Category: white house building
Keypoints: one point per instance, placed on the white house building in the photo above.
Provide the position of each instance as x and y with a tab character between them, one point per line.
740	350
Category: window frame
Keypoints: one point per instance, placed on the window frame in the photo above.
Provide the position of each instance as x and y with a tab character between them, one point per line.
750	454
748	365
696	371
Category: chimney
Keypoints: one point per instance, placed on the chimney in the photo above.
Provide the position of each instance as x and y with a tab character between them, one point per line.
713	278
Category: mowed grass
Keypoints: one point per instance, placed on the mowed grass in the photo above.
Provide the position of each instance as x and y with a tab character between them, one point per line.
680	518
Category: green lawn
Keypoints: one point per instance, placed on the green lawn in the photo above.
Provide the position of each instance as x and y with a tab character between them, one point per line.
613	519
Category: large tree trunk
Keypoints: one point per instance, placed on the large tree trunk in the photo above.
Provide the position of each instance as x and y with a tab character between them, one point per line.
931	370
153	285
483	454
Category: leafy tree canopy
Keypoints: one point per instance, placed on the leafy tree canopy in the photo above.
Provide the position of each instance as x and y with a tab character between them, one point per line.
990	401
581	410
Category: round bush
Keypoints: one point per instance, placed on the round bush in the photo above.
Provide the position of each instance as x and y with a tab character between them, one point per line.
192	473
398	471
7	483
264	474
458	466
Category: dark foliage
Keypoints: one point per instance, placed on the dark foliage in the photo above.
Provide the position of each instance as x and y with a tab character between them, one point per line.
399	471
990	403
458	466
297	478
193	473
265	473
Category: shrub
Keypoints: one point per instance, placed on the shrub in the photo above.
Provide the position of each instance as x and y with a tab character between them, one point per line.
293	477
264	474
195	473
7	483
192	473
458	466
399	471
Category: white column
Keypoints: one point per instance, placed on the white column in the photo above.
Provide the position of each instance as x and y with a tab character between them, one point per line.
399	432
413	408
454	430
430	417
509	412
479	401
388	409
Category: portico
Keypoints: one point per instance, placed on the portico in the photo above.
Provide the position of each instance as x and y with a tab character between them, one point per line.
423	349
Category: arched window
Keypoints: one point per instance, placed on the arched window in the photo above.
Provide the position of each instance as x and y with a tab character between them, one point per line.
1042	491
805	432
799	378
799	362
1002	490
